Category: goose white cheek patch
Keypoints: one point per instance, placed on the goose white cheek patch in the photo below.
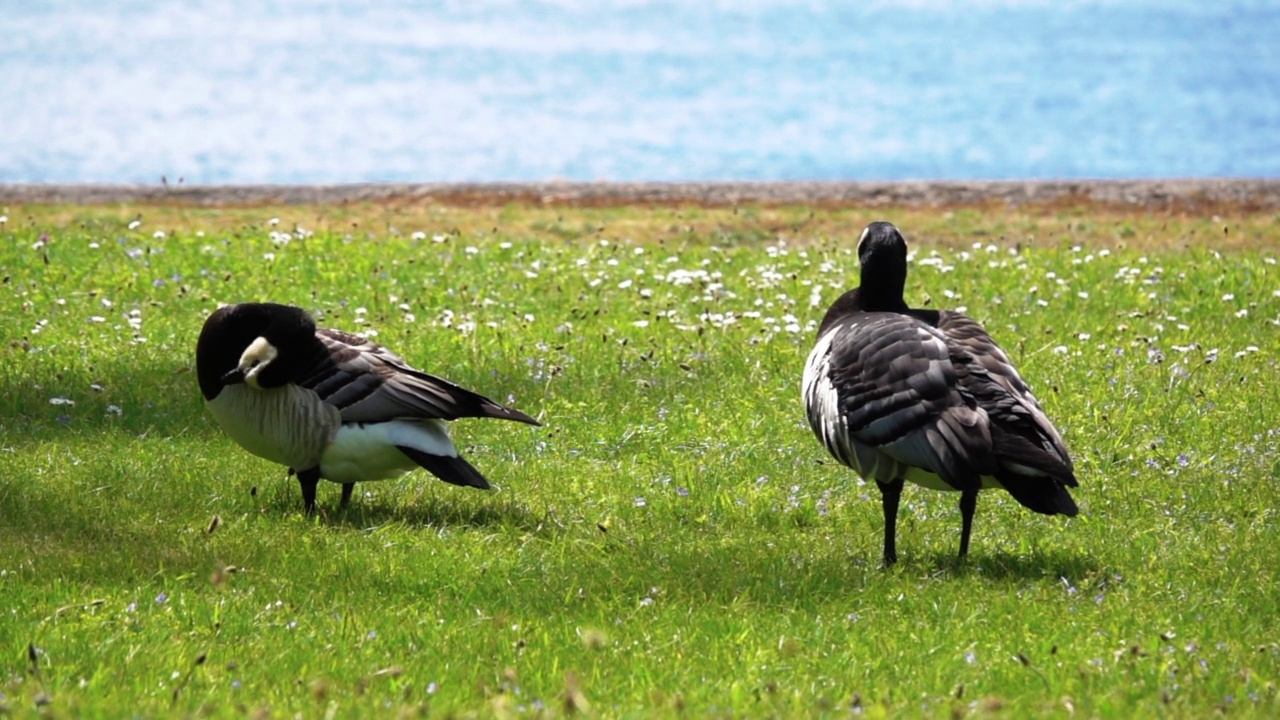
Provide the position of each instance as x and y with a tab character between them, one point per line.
255	358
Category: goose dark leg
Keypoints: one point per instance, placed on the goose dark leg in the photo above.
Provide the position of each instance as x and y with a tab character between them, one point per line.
890	494
968	504
308	479
346	494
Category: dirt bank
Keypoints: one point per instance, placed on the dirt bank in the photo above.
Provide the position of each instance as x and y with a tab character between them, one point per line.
1182	194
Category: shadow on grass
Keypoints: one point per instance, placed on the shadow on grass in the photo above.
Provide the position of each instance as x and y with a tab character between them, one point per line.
425	507
756	572
997	565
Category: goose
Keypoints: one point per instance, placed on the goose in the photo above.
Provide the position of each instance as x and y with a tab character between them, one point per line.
329	404
897	393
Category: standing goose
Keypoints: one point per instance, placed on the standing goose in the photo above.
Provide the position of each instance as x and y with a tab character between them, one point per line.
329	404
897	393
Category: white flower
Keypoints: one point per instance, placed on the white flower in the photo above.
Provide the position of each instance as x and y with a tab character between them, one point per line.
61	401
135	224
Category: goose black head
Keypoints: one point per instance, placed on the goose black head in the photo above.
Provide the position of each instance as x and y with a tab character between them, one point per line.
253	343
882	253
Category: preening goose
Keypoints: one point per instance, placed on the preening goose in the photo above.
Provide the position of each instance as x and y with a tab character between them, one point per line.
329	404
897	393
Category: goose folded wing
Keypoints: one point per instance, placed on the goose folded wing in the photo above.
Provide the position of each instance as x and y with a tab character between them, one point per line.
368	383
346	344
1023	432
899	397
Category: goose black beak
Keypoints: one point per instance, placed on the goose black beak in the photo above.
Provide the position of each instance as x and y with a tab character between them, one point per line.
235	377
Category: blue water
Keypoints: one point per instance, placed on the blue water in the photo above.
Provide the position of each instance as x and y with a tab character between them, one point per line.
296	91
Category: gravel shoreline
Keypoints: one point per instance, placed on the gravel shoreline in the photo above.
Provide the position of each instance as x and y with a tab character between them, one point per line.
1186	194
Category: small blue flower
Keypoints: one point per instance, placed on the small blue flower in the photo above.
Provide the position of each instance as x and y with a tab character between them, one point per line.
162	598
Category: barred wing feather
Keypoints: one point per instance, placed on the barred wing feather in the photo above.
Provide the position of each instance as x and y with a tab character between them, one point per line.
883	395
369	383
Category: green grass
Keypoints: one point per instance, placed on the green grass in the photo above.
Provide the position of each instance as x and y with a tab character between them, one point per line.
674	538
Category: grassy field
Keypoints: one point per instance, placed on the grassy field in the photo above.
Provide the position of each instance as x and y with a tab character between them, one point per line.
673	539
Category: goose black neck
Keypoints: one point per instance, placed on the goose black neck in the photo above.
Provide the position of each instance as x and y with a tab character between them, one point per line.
882	286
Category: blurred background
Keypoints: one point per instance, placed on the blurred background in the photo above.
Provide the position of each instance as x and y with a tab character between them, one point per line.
316	91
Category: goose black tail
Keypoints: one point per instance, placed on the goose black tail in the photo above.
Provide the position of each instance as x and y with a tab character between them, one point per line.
453	470
1044	495
1036	478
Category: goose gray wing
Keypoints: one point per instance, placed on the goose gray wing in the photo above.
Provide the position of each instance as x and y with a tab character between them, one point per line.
337	338
1032	461
884	397
368	383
